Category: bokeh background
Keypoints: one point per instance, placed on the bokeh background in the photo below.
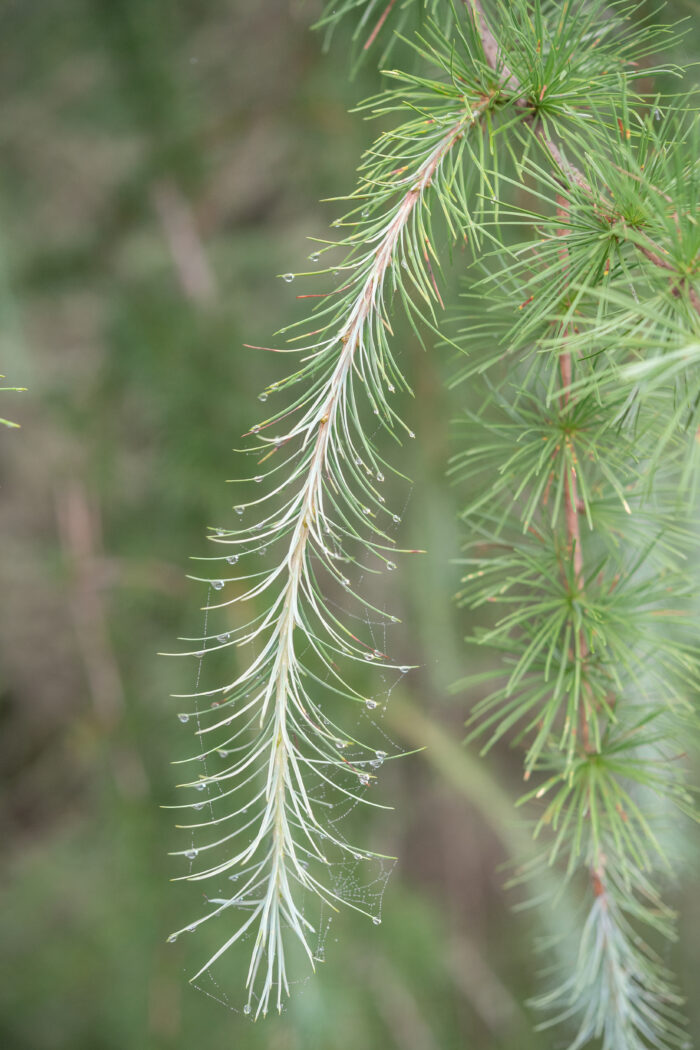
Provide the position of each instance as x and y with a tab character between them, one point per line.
162	161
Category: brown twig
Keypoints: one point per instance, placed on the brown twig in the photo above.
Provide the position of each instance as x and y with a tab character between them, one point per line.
572	503
79	528
492	51
184	242
373	35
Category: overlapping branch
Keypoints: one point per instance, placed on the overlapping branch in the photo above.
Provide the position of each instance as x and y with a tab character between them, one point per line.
575	636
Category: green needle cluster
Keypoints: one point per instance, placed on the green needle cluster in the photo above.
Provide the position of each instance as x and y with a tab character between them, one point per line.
530	137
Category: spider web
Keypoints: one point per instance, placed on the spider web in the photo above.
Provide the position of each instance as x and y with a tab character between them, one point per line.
356	879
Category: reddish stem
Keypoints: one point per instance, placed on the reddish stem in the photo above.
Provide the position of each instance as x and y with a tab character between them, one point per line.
371	38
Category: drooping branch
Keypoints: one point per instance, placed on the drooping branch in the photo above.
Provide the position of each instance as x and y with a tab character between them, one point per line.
296	746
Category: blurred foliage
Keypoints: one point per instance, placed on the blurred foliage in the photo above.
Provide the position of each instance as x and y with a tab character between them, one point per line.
162	161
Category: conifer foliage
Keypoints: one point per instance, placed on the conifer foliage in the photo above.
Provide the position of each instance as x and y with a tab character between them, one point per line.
529	134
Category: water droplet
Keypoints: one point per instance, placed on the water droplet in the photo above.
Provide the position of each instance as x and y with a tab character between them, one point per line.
411	434
364	779
365	213
239	510
217	584
262	396
219	532
375	410
232	559
378	654
396	519
263	550
369	656
222	637
200	654
246	1008
191	854
375	763
257	479
345	582
192	928
381	755
288	277
380	476
404	670
255	429
199	805
201	786
391	388
366	510
377	921
336	273
657	114
315	256
258	526
390	566
184	718
370	704
222	754
341	743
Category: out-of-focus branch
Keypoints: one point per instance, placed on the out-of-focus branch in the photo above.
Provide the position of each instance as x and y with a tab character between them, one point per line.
490	46
185	244
79	532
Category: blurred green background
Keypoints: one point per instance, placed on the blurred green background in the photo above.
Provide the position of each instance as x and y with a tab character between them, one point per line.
162	161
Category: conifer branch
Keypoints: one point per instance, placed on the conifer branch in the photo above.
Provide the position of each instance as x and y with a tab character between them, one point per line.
573	533
292	740
573	685
573	175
